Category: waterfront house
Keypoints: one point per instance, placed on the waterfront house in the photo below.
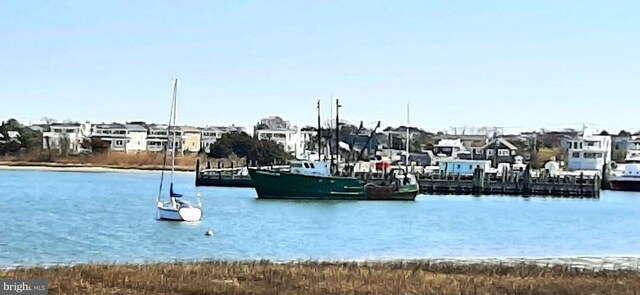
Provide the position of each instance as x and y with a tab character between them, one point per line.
452	166
500	150
189	138
66	137
588	152
289	138
157	138
136	138
448	147
113	135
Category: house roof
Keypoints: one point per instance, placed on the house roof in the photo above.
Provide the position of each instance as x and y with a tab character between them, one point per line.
474	143
275	130
502	141
110	126
65	125
187	128
135	127
449	142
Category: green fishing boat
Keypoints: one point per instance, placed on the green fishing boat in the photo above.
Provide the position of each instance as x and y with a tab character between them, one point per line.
312	180
308	180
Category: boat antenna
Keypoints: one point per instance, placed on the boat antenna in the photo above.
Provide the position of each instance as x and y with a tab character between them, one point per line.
406	162
164	158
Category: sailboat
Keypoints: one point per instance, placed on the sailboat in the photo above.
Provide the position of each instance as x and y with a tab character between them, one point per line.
177	208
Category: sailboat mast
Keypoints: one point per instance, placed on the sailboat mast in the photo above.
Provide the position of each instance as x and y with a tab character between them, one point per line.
164	157
175	103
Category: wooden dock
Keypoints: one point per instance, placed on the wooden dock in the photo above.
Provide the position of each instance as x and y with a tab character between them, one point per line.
513	183
570	187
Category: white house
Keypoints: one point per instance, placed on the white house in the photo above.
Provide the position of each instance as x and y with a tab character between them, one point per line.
71	135
122	137
290	139
448	147
136	138
588	152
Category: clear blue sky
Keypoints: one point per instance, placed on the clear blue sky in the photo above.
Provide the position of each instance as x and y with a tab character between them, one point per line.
483	63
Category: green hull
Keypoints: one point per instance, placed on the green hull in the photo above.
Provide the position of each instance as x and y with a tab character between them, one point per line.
285	185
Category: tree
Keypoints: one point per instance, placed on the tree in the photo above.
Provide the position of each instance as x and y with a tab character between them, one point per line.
220	150
95	145
263	152
604	132
48	120
624	133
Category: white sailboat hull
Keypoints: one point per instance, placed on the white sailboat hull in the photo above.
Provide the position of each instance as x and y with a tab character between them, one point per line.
190	214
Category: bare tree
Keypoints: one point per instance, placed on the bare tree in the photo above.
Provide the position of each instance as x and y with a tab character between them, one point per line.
48	120
64	143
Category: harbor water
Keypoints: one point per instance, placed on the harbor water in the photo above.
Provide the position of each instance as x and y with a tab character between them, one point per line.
69	217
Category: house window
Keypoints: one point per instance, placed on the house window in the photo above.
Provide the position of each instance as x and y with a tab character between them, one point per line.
119	142
576	155
503	152
458	166
489	152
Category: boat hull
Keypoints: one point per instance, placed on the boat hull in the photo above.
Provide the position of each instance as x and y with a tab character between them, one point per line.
285	185
191	214
625	184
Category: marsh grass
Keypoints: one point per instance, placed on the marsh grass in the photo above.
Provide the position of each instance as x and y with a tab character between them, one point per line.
263	277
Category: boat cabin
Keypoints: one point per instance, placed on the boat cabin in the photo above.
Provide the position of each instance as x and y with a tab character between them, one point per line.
310	168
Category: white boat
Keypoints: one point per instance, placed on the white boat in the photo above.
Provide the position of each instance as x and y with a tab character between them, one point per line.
626	177
177	208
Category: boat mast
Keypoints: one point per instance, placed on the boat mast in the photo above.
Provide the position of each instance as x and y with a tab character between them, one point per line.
319	134
175	105
337	135
164	158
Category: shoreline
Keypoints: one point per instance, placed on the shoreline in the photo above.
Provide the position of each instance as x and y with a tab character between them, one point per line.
89	168
310	277
594	263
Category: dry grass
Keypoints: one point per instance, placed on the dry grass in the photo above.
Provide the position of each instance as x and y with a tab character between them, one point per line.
143	160
328	278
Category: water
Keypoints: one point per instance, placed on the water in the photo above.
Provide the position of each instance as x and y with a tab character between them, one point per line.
67	217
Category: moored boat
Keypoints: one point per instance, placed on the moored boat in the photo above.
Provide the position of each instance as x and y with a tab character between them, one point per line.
311	180
177	208
627	176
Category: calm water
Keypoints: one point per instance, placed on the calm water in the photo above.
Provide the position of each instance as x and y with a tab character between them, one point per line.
65	217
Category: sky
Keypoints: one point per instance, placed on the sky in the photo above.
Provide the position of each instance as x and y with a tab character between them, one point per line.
514	64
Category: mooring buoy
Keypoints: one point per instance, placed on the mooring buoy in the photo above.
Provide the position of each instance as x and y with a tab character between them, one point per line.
209	233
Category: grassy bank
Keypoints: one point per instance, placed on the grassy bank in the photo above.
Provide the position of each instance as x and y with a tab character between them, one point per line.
116	160
328	278
143	161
